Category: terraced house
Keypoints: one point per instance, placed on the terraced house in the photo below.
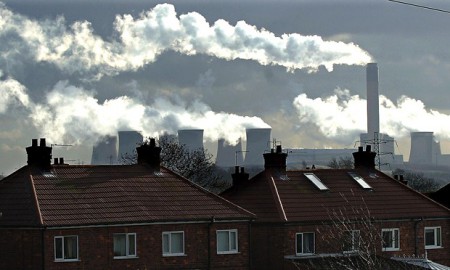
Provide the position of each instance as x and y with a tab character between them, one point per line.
331	218
143	216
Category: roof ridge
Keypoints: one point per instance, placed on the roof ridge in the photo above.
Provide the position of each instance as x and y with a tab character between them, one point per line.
35	200
216	196
278	203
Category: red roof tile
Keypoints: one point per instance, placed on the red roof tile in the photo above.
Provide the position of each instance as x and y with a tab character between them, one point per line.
302	201
82	195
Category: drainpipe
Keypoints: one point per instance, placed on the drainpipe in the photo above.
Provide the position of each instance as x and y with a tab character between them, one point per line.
249	244
416	225
209	241
43	248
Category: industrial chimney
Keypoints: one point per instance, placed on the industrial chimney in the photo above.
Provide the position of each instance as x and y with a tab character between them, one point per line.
422	148
105	151
373	111
192	139
128	141
258	141
228	155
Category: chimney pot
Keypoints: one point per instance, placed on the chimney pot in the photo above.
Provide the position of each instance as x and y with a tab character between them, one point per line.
360	149
236	169
368	148
61	160
34	143
42	142
279	149
55	161
152	142
242	170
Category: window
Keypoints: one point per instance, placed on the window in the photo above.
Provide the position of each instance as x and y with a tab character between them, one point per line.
351	240
173	243
124	245
66	248
227	241
432	237
316	181
391	239
359	180
304	243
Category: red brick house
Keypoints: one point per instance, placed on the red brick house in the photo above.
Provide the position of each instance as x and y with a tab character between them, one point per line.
307	215
143	216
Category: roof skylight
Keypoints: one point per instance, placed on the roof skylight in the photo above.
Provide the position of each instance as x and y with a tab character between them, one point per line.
360	180
316	181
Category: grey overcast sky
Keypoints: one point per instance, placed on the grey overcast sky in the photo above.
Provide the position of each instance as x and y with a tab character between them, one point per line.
72	71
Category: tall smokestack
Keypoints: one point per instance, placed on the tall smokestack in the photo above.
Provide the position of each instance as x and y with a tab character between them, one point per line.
373	111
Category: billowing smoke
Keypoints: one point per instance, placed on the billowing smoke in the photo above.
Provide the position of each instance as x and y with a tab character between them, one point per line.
139	41
342	116
13	93
73	114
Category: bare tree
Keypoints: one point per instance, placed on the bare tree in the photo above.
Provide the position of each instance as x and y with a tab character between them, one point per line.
342	163
349	239
418	181
196	165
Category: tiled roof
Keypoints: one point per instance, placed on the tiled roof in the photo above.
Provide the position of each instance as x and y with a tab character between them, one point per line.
17	203
85	195
301	201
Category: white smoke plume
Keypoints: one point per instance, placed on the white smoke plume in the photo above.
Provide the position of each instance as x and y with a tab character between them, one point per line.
12	93
139	41
73	114
343	116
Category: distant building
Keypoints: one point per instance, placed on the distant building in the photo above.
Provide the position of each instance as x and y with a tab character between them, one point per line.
105	151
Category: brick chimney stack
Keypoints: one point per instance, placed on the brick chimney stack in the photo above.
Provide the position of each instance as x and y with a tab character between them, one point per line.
239	177
276	160
364	159
40	156
149	153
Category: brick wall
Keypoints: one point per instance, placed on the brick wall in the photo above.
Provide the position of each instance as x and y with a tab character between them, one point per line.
271	243
96	248
20	249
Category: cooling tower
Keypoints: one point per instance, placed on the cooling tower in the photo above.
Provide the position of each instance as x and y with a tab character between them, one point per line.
128	141
228	155
191	138
422	148
258	142
105	152
373	114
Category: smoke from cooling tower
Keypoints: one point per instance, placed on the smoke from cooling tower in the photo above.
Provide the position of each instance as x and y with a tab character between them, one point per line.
139	41
341	116
73	114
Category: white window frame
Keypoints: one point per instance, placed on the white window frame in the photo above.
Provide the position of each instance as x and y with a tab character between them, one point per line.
127	246
395	245
229	233
302	253
437	231
63	240
355	241
169	235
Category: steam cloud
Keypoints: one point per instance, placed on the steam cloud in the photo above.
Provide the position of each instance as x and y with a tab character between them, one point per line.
73	114
343	116
141	40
